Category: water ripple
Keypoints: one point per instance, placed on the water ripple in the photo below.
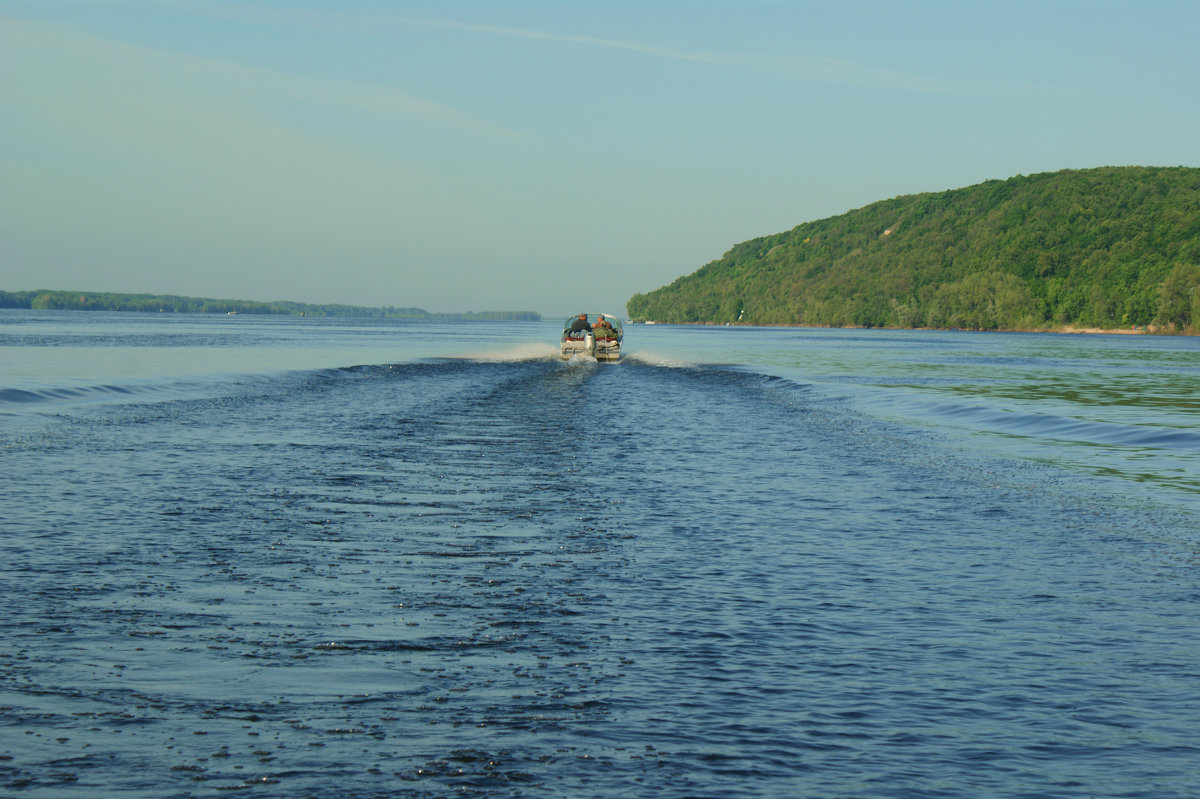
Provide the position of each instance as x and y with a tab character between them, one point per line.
527	578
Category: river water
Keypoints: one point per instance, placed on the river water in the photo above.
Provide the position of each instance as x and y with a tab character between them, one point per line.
308	557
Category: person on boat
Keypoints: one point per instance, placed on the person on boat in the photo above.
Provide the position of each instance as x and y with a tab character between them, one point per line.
604	329
579	325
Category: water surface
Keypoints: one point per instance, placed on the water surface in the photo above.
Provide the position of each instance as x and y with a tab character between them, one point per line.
299	557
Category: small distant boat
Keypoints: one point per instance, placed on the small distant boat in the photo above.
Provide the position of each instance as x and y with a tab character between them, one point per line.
590	335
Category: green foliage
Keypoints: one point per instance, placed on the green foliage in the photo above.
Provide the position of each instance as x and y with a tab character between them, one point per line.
1179	297
104	301
981	301
1077	247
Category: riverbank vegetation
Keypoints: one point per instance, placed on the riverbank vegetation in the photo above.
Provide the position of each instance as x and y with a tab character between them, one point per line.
166	303
1108	248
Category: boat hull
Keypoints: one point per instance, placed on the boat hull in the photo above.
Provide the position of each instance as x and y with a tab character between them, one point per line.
572	347
608	350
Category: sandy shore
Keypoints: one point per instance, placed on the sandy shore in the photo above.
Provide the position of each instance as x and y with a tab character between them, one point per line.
1069	329
1122	331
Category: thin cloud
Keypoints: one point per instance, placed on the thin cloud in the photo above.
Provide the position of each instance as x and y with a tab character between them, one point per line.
834	71
105	131
811	70
521	33
31	41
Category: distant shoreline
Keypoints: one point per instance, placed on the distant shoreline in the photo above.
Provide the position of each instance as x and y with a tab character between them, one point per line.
59	300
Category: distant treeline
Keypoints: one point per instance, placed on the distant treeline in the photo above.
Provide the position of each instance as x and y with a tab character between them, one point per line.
167	303
1113	247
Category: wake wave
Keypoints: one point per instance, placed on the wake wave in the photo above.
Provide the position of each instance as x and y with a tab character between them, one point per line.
19	397
540	356
1053	427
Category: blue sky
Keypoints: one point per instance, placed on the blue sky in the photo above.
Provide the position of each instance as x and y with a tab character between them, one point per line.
549	156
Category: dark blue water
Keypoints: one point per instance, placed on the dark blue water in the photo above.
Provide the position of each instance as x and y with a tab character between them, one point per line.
473	569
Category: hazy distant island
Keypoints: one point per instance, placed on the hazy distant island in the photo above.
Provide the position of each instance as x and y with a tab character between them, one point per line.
1112	248
167	303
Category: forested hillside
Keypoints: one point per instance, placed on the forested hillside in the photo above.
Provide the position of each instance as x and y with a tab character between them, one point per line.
1112	247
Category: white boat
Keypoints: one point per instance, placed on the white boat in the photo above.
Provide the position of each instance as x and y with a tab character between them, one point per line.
593	338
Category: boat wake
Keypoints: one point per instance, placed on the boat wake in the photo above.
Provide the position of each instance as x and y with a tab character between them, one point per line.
517	353
654	359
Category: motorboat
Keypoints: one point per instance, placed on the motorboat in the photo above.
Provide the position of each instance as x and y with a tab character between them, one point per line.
589	335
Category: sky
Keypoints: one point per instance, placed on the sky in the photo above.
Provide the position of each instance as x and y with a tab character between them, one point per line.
553	156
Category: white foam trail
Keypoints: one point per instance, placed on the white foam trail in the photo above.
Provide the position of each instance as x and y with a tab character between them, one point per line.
524	351
654	359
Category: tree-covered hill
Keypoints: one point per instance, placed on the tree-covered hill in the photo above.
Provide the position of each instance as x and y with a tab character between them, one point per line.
1112	247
